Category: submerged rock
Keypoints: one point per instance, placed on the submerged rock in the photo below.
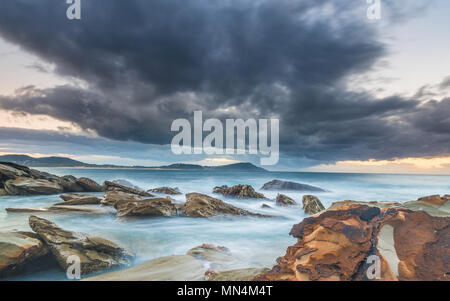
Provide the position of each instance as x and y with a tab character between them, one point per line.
235	275
166	190
200	205
95	253
111	186
18	250
149	207
285	185
411	245
283	200
63	209
30	186
312	204
239	191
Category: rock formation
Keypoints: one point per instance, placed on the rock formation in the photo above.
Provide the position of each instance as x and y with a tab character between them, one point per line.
111	186
95	253
336	245
166	190
200	205
149	207
235	275
285	185
79	199
239	191
18	250
21	180
283	200
312	204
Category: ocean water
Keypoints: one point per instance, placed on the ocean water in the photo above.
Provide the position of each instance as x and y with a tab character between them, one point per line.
255	242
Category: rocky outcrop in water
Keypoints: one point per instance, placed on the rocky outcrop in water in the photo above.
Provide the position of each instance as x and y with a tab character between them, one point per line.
113	197
235	275
21	180
95	253
18	250
200	205
71	199
166	190
111	186
336	245
285	185
283	200
149	207
239	191
312	204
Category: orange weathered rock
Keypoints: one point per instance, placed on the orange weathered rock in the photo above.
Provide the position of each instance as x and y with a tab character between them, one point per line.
336	245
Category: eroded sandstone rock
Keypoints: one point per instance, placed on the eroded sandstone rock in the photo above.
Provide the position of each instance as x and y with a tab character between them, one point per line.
239	191
79	199
95	253
312	204
113	197
89	185
18	250
235	275
411	245
200	205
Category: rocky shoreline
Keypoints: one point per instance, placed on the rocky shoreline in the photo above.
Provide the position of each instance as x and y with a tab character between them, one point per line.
412	239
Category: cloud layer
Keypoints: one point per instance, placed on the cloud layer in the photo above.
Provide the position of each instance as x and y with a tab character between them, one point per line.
145	63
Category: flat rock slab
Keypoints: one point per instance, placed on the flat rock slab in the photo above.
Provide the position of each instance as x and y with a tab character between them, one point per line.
149	207
19	249
235	275
91	209
239	191
170	268
29	186
95	253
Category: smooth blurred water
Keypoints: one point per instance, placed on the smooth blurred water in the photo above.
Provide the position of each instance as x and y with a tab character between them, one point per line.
255	241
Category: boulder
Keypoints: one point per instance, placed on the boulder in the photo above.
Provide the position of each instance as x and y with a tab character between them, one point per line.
235	275
18	250
239	191
30	186
112	197
149	207
126	183
200	205
312	204
69	184
166	190
8	172
283	200
265	206
89	185
111	186
79	199
336	245
292	186
95	253
3	192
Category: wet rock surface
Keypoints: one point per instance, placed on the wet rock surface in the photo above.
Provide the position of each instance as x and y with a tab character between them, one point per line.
79	199
200	205
95	253
312	204
239	191
166	190
283	200
148	207
111	186
247	274
293	186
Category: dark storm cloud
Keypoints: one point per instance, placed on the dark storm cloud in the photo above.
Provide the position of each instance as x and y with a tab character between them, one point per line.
149	62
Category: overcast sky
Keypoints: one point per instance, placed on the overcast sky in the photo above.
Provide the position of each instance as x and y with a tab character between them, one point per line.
351	94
